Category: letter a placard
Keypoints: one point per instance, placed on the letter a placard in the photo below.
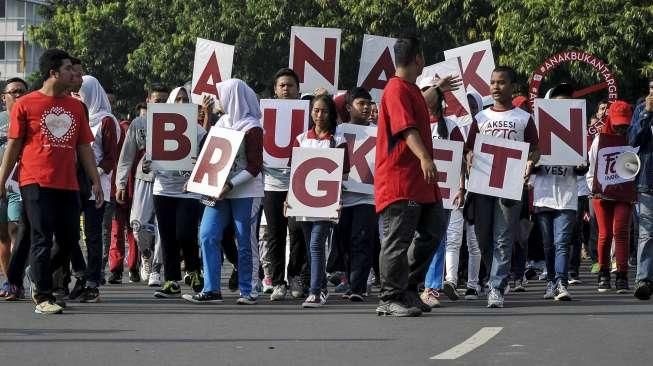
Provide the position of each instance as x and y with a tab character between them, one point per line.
361	147
215	161
562	129
171	136
283	120
498	167
315	180
476	60
377	64
213	63
314	55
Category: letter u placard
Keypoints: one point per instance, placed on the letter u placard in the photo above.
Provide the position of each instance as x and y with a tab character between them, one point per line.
315	181
171	136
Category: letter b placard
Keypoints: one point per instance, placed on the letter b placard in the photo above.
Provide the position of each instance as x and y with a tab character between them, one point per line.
171	136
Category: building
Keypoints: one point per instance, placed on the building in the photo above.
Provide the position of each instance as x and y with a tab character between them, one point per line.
18	58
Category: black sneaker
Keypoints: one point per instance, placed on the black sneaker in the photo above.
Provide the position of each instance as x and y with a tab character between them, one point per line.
170	290
115	278
396	308
412	299
80	285
213	297
471	294
233	281
604	281
643	290
134	276
90	295
449	289
621	283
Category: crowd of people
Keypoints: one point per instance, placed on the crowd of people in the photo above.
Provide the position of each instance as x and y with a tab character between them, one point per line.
75	177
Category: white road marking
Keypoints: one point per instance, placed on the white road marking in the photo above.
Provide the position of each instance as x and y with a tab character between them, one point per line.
478	339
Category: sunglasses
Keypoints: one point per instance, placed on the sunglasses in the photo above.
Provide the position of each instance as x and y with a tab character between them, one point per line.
16	93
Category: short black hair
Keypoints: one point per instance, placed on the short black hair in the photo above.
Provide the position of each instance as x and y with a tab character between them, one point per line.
357	92
51	59
512	74
286	71
160	88
75	60
16	80
604	101
140	106
562	90
333	111
406	50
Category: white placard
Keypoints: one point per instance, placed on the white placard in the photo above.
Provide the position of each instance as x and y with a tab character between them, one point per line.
215	161
606	158
457	106
377	64
361	148
562	129
171	135
283	120
476	62
315	180
498	167
448	159
213	64
314	56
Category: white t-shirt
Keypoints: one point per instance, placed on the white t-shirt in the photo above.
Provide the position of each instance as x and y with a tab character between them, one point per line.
556	187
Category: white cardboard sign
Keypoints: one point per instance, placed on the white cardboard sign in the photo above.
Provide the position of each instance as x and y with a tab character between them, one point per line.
283	120
213	64
457	106
498	167
448	159
315	180
361	148
171	135
314	56
606	159
215	161
377	64
476	61
562	130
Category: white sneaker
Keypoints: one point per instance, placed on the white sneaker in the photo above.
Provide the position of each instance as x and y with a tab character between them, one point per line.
154	279
48	307
146	267
278	293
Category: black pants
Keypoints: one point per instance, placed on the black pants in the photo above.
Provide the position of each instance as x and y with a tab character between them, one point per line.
410	235
357	229
50	212
277	224
580	236
93	217
178	220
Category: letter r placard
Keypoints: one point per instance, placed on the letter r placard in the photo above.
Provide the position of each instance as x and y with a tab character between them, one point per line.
214	162
315	181
171	136
498	167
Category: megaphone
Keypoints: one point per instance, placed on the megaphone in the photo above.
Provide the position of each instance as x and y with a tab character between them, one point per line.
627	165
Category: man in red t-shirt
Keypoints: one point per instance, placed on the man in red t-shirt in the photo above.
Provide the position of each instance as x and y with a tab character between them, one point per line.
50	130
405	186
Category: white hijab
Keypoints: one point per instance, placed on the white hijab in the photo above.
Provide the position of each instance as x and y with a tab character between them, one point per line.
173	94
96	100
241	107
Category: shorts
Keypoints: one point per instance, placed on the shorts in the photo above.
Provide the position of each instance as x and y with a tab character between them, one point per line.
10	208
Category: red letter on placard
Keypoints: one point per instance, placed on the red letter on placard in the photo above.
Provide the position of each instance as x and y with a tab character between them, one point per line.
160	135
326	67
357	157
270	128
383	64
211	72
501	156
453	105
205	167
331	187
572	136
471	77
443	155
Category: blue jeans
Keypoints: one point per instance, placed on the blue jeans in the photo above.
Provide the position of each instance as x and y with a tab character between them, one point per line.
435	273
645	245
557	228
315	235
244	213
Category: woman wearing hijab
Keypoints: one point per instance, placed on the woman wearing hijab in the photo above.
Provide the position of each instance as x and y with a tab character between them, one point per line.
177	214
240	200
106	130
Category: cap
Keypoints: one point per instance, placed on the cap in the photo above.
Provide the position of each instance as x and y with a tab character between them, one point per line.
620	113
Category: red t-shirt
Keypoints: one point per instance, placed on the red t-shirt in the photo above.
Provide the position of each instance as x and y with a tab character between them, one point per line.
51	129
398	173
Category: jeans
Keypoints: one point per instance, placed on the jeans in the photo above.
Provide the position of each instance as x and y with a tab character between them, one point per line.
495	221
357	228
410	234
645	245
316	234
557	227
435	272
50	212
93	217
243	212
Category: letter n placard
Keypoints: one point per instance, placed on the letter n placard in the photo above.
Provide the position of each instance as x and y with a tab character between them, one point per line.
171	136
315	180
498	167
215	161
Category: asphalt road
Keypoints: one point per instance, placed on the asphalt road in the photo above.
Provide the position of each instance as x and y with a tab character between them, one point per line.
130	327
